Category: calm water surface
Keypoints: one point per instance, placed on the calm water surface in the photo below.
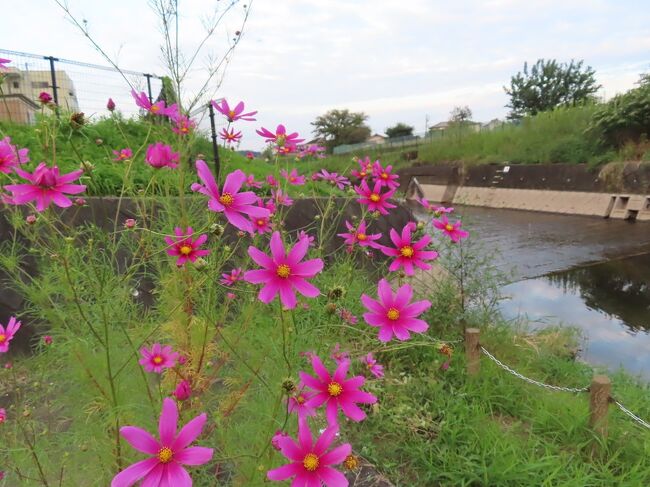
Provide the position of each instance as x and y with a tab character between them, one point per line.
608	302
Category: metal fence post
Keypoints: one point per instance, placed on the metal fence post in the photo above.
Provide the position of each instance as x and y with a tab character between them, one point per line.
55	92
215	146
148	76
473	350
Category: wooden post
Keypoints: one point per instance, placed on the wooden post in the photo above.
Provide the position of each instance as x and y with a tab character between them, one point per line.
600	390
472	350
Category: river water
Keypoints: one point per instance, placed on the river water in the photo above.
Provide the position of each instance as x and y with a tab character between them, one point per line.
589	273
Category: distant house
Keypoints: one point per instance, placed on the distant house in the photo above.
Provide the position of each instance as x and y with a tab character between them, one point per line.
18	108
376	139
444	126
27	85
495	123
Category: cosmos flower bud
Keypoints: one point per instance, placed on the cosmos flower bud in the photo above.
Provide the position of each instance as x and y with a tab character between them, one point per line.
129	223
47	340
183	391
44	98
30	219
110	105
288	386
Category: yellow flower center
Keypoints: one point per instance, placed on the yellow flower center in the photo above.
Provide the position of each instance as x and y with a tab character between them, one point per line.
155	108
261	222
351	462
363	174
292	179
384	175
231	114
406	251
375	197
3	338
334	389
361	236
310	462
300	399
165	455
392	314
185	130
283	271
185	250
226	199
157	360
449	227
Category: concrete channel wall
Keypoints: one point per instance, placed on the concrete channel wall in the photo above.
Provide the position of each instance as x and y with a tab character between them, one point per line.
619	191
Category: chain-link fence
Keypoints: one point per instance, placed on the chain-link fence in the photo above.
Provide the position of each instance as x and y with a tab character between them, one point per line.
74	86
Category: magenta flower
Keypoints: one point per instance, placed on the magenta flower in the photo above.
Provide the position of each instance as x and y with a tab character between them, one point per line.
184	125
384	177
310	238
281	198
292	177
283	272
333	178
441	210
164	467
408	254
3	415
347	316
274	441
298	404
262	225
157	358
158	108
44	97
251	183
185	247
393	313
250	156
7	334
339	355
122	154
3	64
233	114
110	105
11	156
47	340
280	137
452	230
359	235
375	199
161	155
271	181
336	391
231	137
130	223
234	205
375	369
230	278
183	391
365	168
45	186
310	461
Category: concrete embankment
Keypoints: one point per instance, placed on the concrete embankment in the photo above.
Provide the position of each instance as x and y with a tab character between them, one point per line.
619	190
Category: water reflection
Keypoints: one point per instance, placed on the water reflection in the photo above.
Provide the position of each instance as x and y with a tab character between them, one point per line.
609	302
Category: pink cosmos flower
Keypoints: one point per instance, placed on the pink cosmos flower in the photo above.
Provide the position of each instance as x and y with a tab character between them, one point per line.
250	156
3	415
44	97
281	198
79	201
280	137
184	125
310	238
231	296
298	404
158	108
283	150
233	114
347	316
271	181
11	156
45	186
7	334
183	391
157	358
452	230
441	210
339	355
185	247
393	313
365	168
130	223
359	235
333	178
110	105
283	272
231	137
336	391
122	154
375	200
292	177
263	225
407	253
310	461
3	64
47	340
274	441
375	369
161	155
30	219
251	183
164	467
235	275
384	176
234	205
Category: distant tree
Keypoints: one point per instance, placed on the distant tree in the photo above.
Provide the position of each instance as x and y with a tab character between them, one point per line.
549	84
167	91
460	115
399	130
338	127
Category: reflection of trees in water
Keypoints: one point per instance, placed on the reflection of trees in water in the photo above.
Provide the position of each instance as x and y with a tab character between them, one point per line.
620	288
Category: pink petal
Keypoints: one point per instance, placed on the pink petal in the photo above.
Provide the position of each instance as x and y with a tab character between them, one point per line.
332	478
177	476
140	439
325	440
206	176
332	412
385	293
290	449
288	296
285	471
352	411
337	455
168	422
196	455
404	295
341	371
154	478
320	369
298	252
305	288
268	293
234	182
277	248
129	476
260	258
189	432
309	268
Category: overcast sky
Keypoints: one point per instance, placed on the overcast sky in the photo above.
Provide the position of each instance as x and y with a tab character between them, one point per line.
397	61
